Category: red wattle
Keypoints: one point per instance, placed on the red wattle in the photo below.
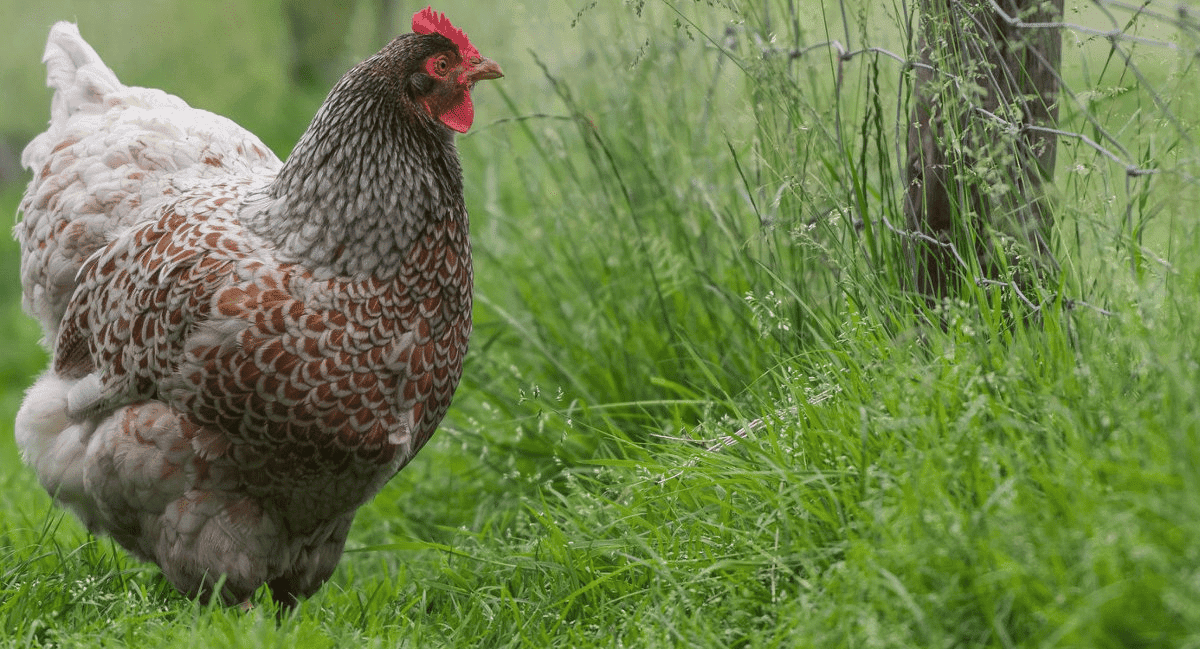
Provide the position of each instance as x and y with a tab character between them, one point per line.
461	115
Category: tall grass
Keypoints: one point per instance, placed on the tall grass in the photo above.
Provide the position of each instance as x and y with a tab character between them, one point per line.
700	407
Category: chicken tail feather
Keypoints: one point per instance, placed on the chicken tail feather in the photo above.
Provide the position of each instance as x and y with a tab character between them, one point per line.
75	72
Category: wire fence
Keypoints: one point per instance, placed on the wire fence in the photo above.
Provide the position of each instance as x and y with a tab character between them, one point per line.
1127	86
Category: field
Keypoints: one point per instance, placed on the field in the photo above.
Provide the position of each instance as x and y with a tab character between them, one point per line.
700	407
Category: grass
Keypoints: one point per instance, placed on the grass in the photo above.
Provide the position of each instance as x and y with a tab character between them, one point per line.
700	409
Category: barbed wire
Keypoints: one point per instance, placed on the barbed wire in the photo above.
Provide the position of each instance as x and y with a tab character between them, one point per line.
1115	34
844	55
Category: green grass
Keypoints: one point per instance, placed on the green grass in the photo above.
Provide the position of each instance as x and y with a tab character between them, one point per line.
699	408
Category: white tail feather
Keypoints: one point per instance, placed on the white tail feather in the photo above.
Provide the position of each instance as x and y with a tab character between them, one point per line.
75	72
79	79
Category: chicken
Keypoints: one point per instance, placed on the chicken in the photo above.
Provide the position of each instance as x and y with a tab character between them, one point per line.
244	351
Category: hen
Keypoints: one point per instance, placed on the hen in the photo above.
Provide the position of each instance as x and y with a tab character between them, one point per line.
244	350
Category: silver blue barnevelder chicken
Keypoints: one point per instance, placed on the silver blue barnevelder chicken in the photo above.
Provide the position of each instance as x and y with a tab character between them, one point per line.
245	350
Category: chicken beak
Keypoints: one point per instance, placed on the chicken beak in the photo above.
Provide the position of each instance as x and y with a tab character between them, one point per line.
483	68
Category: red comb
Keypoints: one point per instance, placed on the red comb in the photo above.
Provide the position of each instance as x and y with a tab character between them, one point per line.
428	21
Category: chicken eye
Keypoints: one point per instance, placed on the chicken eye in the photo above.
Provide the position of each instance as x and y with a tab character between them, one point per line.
440	66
